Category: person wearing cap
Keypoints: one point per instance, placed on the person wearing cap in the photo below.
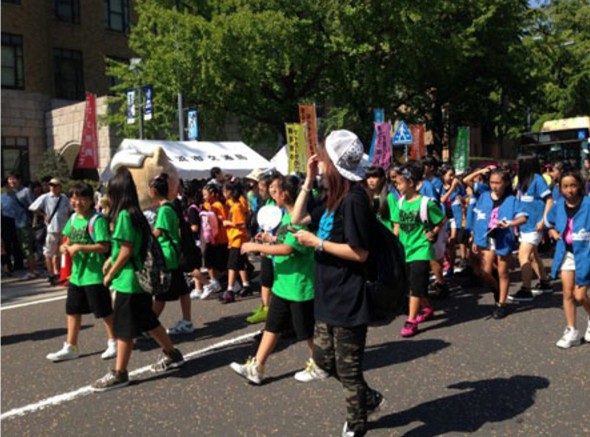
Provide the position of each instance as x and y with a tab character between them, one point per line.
55	209
341	249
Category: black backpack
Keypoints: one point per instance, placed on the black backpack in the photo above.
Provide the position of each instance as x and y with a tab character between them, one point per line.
154	277
188	255
387	282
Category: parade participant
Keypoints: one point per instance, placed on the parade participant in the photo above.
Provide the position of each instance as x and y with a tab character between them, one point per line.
535	197
133	312
382	198
215	251
342	247
452	197
555	173
167	230
292	293
86	240
193	217
569	220
392	173
55	208
237	234
496	213
416	235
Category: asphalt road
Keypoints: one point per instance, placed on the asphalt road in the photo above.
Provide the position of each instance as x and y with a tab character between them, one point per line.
465	373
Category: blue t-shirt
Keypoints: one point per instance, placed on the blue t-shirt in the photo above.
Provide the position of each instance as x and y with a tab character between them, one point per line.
533	202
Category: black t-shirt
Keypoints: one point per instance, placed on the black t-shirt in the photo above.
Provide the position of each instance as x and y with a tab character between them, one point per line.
340	298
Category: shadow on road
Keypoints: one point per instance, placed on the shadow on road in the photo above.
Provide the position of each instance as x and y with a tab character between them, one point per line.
396	352
480	402
37	335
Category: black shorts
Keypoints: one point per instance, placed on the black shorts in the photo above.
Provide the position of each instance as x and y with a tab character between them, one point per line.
282	312
463	236
178	287
236	260
267	272
88	299
133	315
418	275
216	256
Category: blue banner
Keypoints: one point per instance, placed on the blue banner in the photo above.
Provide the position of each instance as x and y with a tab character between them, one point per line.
379	116
193	126
148	98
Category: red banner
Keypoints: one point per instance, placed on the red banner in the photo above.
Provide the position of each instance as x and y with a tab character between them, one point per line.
308	116
418	148
88	155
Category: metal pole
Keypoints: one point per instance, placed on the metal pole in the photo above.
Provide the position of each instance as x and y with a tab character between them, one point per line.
180	118
140	101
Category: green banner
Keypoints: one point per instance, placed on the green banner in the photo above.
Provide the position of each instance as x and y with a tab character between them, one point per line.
461	155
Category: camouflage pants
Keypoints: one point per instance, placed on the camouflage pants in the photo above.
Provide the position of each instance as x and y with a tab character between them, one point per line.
339	351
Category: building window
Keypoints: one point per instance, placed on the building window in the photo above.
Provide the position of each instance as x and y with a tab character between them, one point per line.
13	72
69	78
116	15
15	156
67	10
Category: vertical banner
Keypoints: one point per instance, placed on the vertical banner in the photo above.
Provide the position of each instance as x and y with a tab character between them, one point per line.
130	106
193	127
461	155
148	99
378	117
308	117
382	153
296	147
418	149
88	154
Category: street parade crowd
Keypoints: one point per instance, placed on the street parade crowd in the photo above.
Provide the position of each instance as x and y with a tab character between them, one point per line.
312	261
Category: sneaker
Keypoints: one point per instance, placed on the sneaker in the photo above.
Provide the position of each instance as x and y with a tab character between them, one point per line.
587	335
258	316
500	311
67	352
571	337
311	372
196	294
542	287
347	432
168	361
424	314
212	287
29	276
110	351
410	328
440	290
111	381
461	266
252	370
228	297
245	292
182	327
376	403
522	295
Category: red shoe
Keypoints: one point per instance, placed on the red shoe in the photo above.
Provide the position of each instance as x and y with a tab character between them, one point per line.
424	314
410	328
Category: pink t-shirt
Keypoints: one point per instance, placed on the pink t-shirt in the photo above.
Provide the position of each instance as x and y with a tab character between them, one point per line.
493	218
568	235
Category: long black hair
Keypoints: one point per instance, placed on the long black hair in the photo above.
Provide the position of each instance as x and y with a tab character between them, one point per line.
380	205
528	167
160	184
122	194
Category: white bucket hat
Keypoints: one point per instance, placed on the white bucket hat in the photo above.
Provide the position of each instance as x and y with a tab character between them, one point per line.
346	152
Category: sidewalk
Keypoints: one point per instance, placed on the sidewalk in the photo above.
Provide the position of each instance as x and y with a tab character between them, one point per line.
13	290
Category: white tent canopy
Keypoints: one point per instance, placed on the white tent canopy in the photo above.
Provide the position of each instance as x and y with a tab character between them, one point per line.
281	161
192	159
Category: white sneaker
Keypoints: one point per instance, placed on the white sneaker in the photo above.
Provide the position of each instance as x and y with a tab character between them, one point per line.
587	335
311	372
67	352
196	294
213	287
252	371
182	327
110	351
571	337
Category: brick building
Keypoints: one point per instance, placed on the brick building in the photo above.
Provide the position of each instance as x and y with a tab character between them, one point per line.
53	51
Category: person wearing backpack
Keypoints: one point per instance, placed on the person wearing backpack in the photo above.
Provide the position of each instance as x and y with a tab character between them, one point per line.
417	221
167	231
133	312
87	240
342	243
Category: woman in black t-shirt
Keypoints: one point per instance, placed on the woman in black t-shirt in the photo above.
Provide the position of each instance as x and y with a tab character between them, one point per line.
342	247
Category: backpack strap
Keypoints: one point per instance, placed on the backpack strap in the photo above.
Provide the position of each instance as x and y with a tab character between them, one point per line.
424	209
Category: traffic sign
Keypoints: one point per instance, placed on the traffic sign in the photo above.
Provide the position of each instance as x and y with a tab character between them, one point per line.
402	135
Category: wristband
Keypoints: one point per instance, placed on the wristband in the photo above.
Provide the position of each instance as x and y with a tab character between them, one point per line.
320	247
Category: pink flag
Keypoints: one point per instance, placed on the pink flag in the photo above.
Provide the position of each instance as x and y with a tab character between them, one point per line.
382	154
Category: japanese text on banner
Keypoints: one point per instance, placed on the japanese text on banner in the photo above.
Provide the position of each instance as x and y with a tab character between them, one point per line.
307	116
461	155
296	147
382	154
88	154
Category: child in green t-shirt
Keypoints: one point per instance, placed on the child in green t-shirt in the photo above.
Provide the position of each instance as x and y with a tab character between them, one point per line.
86	241
416	233
292	290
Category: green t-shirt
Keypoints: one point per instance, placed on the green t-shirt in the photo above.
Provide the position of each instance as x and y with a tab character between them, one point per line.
125	280
412	229
167	222
293	274
87	267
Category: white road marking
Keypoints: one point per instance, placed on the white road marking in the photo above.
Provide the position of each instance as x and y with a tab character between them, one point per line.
83	391
34	302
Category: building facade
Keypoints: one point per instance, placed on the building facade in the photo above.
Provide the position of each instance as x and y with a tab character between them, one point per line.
53	51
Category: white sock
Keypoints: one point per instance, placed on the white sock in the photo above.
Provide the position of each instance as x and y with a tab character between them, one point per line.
245	284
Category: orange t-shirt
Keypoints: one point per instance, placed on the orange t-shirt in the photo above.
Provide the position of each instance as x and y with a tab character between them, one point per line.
238	215
219	209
